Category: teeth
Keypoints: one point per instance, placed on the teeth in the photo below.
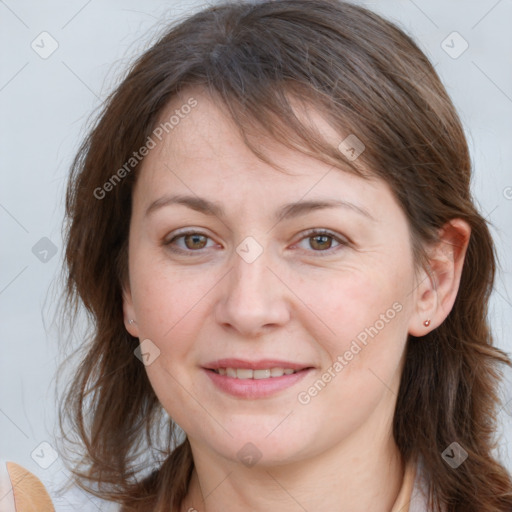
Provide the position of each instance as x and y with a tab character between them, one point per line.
276	372
244	373
260	374
247	373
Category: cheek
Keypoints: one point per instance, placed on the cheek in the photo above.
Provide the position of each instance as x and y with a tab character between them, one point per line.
362	334
351	304
167	297
168	305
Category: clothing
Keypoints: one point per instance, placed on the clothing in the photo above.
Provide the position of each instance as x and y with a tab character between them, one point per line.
21	491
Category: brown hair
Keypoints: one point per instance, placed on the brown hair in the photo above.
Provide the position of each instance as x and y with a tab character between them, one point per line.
366	77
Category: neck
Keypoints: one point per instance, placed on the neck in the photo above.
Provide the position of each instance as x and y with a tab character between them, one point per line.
356	476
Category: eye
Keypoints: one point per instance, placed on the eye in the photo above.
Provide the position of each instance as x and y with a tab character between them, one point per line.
320	240
193	241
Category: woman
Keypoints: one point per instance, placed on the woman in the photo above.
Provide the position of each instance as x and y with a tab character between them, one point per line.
272	228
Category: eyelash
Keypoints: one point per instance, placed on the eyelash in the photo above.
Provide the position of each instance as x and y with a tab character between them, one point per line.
309	234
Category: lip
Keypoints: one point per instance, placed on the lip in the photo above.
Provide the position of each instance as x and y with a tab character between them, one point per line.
252	389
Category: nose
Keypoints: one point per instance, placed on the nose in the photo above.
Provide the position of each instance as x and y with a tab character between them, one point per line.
253	298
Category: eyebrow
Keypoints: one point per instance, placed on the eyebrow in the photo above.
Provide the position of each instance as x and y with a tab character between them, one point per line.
287	211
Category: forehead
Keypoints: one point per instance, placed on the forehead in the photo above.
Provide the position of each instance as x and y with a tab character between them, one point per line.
202	152
205	132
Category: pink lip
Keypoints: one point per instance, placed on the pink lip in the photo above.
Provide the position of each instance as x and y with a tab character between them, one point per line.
255	388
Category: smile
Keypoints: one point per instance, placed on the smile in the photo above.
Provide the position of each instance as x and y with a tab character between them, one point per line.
247	373
254	379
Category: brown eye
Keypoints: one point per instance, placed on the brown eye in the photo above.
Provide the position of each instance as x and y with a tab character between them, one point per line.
195	241
188	243
321	242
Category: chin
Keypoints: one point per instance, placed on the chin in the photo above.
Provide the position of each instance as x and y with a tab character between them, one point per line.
252	444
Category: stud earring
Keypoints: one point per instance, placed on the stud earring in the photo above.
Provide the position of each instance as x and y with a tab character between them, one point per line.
426	323
132	321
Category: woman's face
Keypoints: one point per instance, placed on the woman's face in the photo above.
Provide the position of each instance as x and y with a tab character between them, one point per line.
243	280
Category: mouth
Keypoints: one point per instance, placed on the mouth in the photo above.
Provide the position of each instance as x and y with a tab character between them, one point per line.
255	379
247	373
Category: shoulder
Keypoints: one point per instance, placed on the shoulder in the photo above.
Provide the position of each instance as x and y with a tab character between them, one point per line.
22	491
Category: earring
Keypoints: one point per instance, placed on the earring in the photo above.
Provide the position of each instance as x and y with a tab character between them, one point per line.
132	321
426	323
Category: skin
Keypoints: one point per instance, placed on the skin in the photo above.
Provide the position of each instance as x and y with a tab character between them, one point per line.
336	452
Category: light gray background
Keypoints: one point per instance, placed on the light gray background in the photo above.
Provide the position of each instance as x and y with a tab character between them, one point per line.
45	104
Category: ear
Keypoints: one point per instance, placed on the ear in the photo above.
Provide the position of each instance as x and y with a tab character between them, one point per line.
439	283
129	312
